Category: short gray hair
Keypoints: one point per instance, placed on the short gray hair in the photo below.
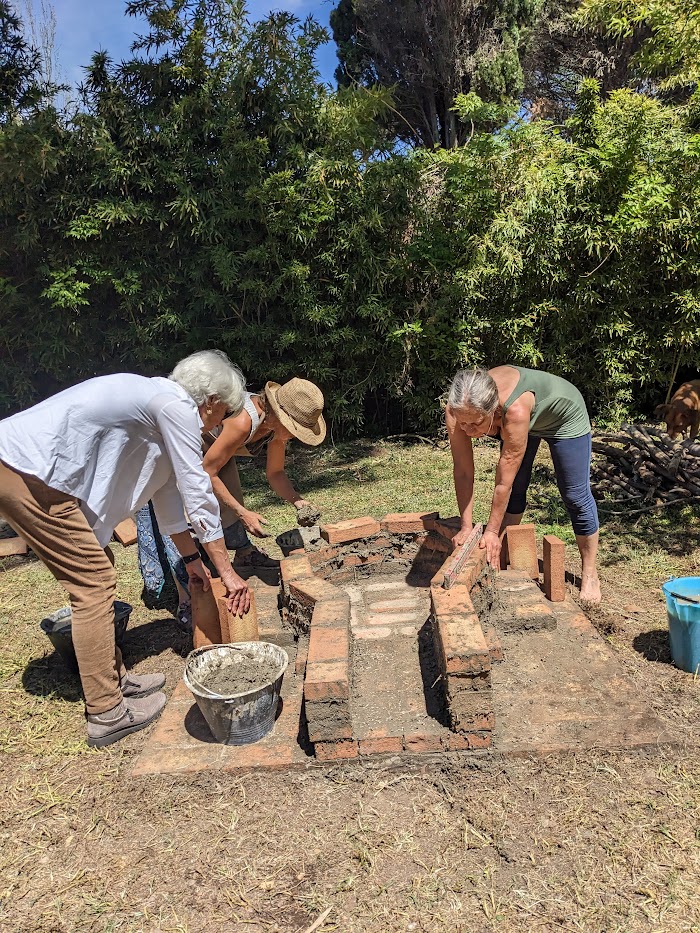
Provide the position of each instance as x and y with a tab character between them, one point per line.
474	388
210	373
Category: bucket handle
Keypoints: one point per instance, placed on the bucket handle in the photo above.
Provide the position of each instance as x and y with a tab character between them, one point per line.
688	599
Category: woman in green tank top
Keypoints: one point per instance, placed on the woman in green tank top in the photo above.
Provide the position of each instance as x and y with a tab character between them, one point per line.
524	407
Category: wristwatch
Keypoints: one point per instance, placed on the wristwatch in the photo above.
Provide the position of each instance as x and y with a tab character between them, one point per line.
190	557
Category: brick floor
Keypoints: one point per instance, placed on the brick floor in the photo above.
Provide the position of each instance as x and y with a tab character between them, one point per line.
555	691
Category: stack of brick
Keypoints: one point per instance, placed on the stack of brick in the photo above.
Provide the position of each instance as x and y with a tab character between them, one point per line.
323	611
363	546
463	655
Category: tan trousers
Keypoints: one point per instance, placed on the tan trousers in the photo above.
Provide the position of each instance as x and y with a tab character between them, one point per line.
57	531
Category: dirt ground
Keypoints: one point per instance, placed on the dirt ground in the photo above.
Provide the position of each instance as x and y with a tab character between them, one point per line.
595	841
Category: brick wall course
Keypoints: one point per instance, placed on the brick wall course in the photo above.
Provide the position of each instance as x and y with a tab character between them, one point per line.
327	681
408	522
350	530
390	744
336	751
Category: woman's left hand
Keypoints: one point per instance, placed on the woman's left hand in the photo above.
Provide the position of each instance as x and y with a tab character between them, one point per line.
197	571
491	540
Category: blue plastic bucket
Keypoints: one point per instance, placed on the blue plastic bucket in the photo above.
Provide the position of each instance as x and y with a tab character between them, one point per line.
684	622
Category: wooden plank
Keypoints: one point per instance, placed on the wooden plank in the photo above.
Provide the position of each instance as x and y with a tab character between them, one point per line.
125	532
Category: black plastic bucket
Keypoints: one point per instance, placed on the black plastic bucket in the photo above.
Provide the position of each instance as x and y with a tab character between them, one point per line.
57	628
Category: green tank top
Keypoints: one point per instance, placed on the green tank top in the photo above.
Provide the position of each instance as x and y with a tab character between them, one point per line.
559	411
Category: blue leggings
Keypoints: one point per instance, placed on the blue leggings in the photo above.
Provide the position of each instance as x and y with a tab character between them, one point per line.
572	468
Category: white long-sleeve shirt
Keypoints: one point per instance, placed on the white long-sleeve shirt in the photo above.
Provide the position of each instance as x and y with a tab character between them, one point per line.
115	442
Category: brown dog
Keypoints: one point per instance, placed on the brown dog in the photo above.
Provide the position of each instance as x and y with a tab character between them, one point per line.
683	411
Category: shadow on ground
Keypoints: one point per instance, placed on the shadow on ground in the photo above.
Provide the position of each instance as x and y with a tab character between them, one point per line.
654	646
50	676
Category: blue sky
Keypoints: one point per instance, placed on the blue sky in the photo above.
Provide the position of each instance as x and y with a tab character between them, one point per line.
85	26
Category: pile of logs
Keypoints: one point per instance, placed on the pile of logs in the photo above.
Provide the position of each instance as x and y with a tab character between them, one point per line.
642	466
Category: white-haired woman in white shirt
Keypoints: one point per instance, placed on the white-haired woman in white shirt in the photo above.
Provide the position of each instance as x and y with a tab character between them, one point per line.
74	466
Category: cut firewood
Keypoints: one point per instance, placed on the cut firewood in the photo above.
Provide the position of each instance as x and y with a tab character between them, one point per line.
642	462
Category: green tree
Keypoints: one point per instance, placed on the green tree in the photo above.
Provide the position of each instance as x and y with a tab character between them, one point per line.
428	52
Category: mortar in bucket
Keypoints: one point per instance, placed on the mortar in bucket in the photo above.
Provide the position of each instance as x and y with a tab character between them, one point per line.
683	605
237	688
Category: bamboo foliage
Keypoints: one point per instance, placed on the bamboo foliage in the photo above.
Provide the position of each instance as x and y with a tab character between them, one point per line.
211	191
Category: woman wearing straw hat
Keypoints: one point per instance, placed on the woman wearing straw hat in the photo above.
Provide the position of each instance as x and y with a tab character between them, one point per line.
271	419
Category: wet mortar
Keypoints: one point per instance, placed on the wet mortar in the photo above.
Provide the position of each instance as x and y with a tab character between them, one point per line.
308	515
239	673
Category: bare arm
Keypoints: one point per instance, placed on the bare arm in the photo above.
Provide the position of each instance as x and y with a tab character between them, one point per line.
234	434
463	475
236	588
276	474
514	434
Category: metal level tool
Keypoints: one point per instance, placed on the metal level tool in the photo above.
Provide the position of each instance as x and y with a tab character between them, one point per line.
460	556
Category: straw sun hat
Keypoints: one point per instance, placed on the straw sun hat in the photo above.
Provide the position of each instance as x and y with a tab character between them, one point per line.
298	404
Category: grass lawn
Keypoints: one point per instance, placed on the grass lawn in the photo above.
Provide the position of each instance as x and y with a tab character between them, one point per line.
592	842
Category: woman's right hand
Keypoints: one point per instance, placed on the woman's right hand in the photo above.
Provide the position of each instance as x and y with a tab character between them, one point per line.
237	593
461	537
253	522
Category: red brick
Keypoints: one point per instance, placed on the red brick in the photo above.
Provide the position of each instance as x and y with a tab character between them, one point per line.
522	549
418	742
11	546
406	523
452	604
311	590
480	681
455	742
125	532
461	742
460	644
302	656
326	680
553	558
464	648
332	612
395	604
390	744
447	528
236	628
470	711
350	530
473	568
294	568
328	643
434	542
493	643
479	739
258	756
336	751
360	560
206	624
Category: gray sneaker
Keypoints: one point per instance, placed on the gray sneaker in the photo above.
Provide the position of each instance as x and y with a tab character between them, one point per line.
141	685
122	720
